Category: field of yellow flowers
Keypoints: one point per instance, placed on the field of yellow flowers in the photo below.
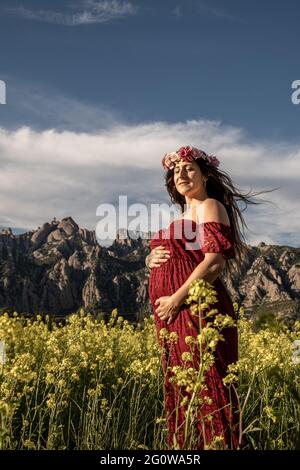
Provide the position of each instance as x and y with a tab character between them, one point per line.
95	384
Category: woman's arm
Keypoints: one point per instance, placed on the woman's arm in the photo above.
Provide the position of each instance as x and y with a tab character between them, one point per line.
209	269
213	263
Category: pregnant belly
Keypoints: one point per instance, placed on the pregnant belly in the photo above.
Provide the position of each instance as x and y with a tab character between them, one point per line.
169	277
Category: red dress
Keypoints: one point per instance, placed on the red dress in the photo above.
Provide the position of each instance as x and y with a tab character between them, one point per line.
164	281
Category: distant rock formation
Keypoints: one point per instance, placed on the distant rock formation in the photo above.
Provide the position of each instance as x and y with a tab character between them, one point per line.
61	267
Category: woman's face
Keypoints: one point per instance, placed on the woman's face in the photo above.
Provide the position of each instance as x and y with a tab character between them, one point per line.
189	180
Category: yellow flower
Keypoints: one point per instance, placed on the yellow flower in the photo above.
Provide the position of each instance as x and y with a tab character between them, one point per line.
173	337
229	379
270	414
29	444
186	356
190	340
184	401
163	333
51	403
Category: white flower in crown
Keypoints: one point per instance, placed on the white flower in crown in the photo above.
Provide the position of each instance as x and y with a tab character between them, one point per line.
170	159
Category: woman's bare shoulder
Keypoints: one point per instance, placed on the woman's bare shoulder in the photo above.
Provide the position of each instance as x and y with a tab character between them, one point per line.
215	211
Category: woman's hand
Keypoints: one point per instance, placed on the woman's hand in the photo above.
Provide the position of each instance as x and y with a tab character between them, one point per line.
157	256
167	308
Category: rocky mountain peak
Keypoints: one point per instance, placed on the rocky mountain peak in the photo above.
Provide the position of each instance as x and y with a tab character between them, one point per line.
60	267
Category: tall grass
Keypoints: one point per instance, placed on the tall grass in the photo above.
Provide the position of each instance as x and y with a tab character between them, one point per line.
91	384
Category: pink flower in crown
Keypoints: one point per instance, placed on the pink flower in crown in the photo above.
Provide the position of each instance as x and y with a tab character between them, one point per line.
186	153
213	160
210	159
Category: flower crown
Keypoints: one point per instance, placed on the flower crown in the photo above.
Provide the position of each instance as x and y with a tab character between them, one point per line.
187	154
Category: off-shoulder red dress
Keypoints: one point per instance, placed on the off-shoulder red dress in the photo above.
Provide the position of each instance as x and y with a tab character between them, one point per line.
164	280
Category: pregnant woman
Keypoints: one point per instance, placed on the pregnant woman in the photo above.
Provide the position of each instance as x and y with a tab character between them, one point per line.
209	211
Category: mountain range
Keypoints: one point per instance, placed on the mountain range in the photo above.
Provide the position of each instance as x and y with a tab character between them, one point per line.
60	267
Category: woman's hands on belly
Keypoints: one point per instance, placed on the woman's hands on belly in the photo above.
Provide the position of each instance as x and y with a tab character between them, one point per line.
157	257
167	308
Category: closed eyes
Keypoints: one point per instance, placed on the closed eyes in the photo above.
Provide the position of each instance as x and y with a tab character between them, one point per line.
188	169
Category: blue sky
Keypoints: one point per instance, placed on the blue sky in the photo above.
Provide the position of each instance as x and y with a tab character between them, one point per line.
167	60
89	67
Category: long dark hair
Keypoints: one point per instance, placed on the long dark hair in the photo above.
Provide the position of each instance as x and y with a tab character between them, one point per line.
219	186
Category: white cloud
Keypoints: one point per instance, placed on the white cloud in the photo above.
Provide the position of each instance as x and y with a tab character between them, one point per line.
88	12
59	173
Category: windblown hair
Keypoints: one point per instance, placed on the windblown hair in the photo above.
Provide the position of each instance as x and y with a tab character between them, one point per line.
219	186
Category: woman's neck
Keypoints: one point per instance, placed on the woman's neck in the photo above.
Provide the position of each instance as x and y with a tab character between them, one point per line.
192	202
